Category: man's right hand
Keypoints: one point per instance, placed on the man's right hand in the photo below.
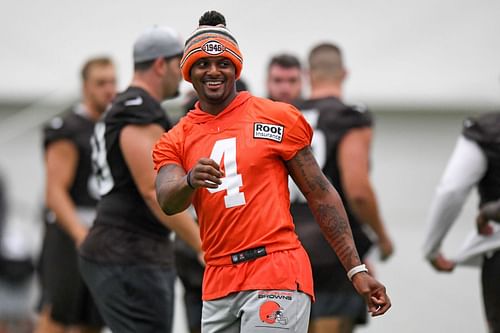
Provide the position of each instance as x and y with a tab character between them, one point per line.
489	211
386	248
206	173
440	263
483	225
79	235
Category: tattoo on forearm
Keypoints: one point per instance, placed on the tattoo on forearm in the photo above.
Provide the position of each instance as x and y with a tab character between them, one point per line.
322	183
172	196
325	205
337	231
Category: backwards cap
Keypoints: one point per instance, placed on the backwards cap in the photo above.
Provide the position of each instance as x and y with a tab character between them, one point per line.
210	41
157	42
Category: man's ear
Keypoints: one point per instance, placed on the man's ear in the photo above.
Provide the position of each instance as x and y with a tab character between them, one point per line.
344	74
160	65
306	74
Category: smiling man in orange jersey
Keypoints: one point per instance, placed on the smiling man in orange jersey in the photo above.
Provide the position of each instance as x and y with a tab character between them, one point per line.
230	158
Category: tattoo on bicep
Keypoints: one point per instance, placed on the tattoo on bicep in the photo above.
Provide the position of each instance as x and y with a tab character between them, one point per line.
337	231
169	173
309	171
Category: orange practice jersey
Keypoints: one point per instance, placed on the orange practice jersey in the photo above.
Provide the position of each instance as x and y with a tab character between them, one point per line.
251	140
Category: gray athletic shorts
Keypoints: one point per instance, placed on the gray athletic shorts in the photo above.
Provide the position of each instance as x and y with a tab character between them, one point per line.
257	311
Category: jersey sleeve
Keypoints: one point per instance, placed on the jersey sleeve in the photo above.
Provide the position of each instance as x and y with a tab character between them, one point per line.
168	149
58	128
136	107
143	115
336	125
297	135
353	117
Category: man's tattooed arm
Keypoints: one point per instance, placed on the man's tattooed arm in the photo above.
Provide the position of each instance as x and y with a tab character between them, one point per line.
325	204
172	192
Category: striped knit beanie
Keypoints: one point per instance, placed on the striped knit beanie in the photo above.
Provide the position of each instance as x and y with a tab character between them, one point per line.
211	39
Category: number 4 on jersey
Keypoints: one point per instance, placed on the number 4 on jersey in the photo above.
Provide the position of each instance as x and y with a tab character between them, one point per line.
224	151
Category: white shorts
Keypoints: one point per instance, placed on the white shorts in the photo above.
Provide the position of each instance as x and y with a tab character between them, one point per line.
257	311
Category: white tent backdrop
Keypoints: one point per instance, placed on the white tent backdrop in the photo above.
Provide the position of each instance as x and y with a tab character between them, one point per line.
419	53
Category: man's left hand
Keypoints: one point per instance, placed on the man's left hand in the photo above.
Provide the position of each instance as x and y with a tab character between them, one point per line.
373	292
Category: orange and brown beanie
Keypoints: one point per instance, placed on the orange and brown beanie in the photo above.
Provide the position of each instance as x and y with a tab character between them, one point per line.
211	39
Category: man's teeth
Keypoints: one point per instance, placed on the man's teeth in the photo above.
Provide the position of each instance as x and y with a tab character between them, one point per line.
214	83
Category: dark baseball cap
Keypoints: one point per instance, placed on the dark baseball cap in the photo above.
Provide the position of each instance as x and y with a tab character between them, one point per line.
157	42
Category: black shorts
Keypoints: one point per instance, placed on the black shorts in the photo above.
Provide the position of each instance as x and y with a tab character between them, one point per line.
490	278
190	272
61	284
336	296
132	298
194	306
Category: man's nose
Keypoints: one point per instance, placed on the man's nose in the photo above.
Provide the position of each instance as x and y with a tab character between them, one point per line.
212	68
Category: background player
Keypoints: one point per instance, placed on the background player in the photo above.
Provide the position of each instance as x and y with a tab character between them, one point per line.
16	273
341	145
127	257
231	157
475	162
284	78
71	197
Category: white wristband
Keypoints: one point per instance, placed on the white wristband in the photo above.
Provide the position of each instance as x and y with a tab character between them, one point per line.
356	270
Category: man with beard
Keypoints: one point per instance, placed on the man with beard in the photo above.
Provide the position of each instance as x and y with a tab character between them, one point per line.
127	257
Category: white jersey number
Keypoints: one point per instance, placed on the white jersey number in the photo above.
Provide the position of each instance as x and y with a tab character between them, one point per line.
225	151
100	164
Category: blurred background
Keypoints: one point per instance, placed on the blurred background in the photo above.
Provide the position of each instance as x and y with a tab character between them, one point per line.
420	66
